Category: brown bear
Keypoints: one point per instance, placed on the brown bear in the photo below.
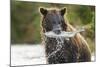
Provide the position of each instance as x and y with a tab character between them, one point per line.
73	50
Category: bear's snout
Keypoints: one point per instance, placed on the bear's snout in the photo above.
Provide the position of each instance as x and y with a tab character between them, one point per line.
57	31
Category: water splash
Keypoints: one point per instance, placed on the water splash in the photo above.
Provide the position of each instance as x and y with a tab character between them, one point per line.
60	38
60	43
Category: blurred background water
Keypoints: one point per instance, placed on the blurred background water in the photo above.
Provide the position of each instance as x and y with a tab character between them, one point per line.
27	55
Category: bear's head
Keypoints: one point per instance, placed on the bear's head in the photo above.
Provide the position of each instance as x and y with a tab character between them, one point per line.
53	20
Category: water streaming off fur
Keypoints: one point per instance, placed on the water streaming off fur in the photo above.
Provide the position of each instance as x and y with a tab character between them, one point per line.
60	38
59	45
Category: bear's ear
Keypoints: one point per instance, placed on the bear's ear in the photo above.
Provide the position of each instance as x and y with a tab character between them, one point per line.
63	11
43	11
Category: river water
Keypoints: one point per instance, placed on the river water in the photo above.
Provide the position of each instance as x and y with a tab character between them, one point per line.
28	55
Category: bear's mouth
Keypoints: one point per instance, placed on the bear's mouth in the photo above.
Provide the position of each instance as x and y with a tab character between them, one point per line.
57	29
57	32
